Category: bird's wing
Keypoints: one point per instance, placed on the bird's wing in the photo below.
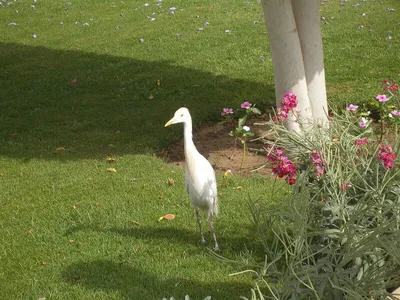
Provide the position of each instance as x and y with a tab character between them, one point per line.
187	179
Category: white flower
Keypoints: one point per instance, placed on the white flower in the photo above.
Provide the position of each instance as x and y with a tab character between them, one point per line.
246	128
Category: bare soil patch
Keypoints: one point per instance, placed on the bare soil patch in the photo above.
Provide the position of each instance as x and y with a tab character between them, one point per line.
214	143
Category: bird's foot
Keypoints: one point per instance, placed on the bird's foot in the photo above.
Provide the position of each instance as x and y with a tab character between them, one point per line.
216	248
203	241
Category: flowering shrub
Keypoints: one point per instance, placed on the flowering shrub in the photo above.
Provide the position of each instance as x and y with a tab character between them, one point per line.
337	235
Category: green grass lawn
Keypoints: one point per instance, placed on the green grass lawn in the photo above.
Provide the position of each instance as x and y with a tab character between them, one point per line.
70	229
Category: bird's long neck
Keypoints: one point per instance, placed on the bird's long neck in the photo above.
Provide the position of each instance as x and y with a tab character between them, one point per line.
187	134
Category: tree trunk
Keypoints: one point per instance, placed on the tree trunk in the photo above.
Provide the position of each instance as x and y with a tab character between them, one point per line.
296	48
307	16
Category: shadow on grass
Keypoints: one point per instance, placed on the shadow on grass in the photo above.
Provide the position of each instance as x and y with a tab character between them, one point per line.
133	283
95	105
228	241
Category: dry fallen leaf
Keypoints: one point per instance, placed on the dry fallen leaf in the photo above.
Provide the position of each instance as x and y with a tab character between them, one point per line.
170	181
14	134
237	188
110	159
60	149
111	170
75	206
151	97
43	263
160	196
167	217
158	82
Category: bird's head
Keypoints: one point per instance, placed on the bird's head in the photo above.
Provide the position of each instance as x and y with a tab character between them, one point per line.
180	116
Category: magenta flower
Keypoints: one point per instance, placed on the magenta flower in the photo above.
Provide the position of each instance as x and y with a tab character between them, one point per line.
382	98
395	113
245	105
226	111
283	167
352	107
386	156
360	142
289	102
318	163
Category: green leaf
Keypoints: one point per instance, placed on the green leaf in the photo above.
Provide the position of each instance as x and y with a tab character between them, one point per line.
248	133
242	121
256	110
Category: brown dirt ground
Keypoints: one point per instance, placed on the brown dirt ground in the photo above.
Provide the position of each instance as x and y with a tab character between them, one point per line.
214	143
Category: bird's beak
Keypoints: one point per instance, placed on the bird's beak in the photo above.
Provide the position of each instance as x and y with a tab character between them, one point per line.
170	122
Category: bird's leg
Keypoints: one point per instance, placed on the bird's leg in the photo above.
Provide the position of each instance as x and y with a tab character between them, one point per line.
216	247
203	241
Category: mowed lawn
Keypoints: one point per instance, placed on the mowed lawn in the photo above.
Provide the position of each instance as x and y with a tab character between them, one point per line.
82	93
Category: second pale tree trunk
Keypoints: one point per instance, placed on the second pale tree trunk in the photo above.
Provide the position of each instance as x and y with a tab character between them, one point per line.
296	48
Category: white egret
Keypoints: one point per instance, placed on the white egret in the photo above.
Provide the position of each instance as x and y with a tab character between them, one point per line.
199	175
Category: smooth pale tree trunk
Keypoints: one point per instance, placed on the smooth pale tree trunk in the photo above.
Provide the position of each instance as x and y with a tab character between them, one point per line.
307	16
296	48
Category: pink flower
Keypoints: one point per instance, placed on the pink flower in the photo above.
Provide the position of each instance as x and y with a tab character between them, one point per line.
283	167
73	81
394	87
289	102
226	111
395	113
318	163
382	98
319	171
352	107
245	105
344	186
386	156
360	142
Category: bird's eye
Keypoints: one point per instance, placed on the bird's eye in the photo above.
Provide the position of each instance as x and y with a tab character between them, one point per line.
181	115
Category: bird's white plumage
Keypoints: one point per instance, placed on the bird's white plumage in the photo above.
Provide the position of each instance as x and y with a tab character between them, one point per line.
200	183
200	179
